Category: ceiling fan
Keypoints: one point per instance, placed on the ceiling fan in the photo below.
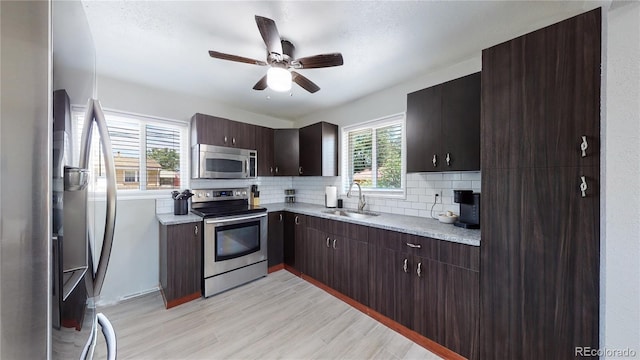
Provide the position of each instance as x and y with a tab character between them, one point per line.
281	61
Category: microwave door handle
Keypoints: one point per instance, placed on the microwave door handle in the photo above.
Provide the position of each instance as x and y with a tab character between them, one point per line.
246	168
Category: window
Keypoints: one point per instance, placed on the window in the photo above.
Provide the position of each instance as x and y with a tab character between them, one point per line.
149	153
373	155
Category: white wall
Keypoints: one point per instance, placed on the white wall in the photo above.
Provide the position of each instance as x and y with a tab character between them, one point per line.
130	97
620	244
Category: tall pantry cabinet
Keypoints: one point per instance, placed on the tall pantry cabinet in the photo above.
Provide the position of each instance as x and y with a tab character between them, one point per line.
540	129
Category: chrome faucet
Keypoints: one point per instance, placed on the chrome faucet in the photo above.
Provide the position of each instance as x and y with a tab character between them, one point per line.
361	202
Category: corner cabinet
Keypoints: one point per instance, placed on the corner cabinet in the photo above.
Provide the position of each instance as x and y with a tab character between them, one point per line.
318	150
180	262
540	184
213	130
443	126
265	148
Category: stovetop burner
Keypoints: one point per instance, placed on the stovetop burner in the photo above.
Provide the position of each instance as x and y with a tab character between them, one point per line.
223	202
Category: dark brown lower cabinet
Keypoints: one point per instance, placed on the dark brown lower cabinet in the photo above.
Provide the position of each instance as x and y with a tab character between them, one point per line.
275	243
180	262
540	269
337	260
427	285
294	241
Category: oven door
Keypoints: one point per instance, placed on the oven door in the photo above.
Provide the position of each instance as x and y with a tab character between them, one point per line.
234	242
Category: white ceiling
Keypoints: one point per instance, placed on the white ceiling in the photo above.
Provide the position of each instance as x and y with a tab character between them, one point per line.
164	44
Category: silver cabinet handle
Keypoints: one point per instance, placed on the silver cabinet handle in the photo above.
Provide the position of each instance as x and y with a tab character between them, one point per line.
271	169
404	267
583	186
195	230
435	160
334	244
448	159
300	170
584	146
233	141
328	239
225	139
419	270
297	220
280	217
415	246
276	169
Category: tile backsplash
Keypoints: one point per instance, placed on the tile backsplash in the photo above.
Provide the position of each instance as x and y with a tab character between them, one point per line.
420	194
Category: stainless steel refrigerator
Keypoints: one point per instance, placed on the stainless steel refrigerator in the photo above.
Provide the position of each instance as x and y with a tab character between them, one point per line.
49	281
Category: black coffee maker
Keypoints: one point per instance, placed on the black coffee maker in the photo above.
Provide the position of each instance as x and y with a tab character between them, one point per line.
469	208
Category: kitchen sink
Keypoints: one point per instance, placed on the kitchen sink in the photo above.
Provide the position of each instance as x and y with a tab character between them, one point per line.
352	213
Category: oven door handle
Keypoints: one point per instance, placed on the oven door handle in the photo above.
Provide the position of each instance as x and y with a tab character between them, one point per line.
220	221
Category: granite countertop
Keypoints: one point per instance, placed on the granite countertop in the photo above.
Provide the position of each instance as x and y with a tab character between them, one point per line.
170	219
402	223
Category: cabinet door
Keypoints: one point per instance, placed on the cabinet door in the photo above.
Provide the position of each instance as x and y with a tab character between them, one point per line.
319	256
242	135
275	244
461	124
300	227
286	151
264	146
541	95
424	130
459	310
289	239
319	150
427	316
383	272
543	260
350	268
180	261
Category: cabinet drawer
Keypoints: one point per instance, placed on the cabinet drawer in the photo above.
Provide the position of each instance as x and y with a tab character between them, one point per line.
461	255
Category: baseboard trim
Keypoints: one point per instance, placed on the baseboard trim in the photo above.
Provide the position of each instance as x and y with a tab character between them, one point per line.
275	268
421	340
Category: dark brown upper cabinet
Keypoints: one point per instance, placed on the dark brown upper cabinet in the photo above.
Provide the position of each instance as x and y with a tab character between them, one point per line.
319	150
443	126
286	145
212	130
543	90
265	148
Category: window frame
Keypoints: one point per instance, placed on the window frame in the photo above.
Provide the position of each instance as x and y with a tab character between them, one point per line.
375	124
143	121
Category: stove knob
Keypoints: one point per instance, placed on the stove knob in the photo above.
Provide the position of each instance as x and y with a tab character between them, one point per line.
199	194
208	195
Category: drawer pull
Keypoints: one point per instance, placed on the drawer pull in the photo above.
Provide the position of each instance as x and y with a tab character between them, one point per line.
435	160
195	231
280	217
296	220
328	241
404	267
583	186
334	244
419	271
415	246
448	158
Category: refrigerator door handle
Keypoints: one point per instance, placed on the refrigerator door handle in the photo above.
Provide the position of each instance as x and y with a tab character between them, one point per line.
109	336
95	113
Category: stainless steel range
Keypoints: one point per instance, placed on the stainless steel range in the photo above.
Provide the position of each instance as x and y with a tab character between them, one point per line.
235	238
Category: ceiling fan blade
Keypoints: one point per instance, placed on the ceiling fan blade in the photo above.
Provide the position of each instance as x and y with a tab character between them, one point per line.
261	84
318	61
270	34
305	83
236	58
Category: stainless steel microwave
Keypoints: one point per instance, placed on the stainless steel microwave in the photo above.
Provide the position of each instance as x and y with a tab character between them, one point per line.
220	162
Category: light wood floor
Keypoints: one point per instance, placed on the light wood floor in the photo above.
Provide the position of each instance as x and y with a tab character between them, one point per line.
277	317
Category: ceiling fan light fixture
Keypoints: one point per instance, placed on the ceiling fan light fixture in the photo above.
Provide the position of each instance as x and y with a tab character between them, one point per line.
279	79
